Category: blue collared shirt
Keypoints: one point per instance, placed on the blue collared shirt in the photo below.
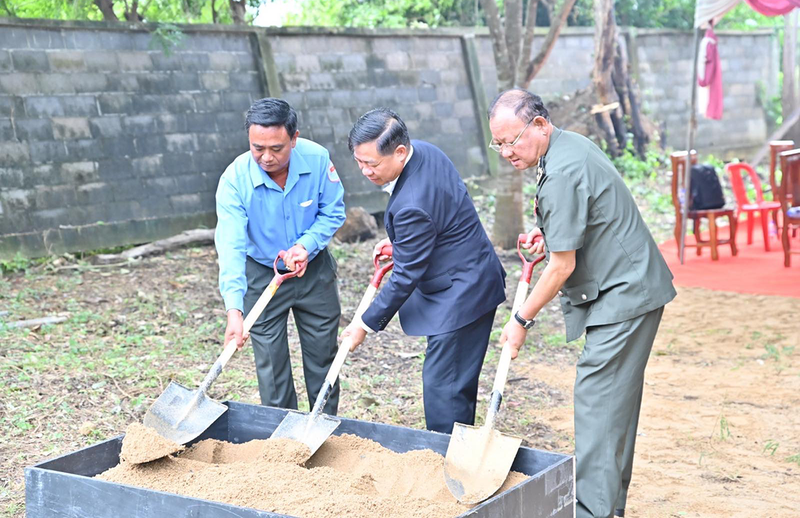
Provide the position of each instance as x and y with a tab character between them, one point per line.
256	218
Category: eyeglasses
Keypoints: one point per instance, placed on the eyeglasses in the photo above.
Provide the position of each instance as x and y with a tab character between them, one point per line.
499	147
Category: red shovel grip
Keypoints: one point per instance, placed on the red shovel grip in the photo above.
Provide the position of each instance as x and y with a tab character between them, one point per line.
527	266
280	277
380	271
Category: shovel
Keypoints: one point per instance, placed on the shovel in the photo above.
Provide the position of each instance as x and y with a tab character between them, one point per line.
314	428
478	459
180	414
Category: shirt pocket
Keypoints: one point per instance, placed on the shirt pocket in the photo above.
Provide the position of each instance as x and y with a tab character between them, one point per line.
582	293
308	209
436	284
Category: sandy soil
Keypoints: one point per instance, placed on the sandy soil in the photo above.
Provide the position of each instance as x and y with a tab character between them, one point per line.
719	431
143	444
348	476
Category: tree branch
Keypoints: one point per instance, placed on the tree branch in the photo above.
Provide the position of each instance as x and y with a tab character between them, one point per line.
504	75
549	42
527	42
106	7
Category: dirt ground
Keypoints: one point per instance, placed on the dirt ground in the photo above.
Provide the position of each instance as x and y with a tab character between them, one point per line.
718	433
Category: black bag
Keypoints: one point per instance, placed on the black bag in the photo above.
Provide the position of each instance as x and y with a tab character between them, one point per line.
706	191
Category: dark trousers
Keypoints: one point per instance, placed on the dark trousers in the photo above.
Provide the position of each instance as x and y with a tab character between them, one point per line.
450	374
608	396
314	301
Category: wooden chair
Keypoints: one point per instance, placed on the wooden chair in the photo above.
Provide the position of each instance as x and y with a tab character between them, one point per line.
678	172
744	204
789	197
776	147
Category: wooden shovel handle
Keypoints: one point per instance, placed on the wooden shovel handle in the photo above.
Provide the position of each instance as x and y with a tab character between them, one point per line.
250	319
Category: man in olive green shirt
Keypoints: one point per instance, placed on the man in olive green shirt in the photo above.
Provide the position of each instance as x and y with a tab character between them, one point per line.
611	279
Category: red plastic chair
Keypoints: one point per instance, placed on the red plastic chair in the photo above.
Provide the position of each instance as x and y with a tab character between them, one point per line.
749	207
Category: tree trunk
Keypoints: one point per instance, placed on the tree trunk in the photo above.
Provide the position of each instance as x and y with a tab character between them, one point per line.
789	95
508	206
605	37
238	11
107	9
513	25
133	15
511	45
505	76
630	98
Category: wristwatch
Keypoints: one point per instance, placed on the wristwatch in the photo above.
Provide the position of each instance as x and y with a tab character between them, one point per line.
527	324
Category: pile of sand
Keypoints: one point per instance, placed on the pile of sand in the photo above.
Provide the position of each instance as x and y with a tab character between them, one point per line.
348	476
142	444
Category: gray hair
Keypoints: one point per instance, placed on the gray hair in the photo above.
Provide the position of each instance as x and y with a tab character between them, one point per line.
526	105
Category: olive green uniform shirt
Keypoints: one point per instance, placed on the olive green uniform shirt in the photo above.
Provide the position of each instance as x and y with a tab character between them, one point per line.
583	205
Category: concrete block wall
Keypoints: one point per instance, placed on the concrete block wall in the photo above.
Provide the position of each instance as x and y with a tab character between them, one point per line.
749	63
333	79
105	141
663	68
568	68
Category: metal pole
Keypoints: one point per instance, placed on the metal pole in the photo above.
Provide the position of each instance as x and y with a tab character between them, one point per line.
687	172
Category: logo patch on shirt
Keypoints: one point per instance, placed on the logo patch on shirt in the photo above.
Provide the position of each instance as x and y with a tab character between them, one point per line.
333	176
306	203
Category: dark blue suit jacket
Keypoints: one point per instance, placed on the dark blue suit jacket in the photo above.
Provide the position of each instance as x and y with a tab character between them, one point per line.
446	273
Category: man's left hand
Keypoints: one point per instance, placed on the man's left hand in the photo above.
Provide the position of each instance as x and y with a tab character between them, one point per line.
355	333
295	257
515	335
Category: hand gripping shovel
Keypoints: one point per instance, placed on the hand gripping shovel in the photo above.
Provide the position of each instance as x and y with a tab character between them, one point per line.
180	414
478	459
314	428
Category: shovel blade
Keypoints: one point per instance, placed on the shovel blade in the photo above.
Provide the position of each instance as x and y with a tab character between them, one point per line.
304	428
478	461
181	415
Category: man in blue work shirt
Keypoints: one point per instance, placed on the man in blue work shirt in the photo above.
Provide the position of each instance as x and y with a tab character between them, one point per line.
284	194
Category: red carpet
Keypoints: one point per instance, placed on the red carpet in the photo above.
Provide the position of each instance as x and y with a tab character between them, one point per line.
753	270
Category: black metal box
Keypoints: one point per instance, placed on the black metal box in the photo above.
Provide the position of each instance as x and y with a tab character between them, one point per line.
63	486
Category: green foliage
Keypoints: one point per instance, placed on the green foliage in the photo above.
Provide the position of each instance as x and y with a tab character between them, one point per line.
743	17
388	13
175	11
52	9
770	447
669	14
673	14
17	264
167	38
632	167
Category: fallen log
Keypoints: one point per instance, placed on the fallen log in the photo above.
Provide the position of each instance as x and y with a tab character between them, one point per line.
36	322
199	236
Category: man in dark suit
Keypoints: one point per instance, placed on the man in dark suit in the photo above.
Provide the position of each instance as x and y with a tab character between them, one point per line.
447	280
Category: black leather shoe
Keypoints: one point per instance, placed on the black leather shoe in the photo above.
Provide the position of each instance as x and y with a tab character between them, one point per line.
619	512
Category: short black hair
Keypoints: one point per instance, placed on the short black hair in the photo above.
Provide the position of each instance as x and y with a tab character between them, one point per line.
272	112
526	105
381	125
